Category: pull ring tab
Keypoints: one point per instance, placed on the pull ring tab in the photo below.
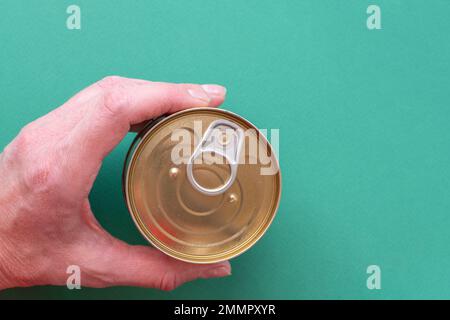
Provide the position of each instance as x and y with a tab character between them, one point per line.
225	139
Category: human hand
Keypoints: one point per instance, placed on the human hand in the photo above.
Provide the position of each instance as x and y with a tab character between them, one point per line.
47	172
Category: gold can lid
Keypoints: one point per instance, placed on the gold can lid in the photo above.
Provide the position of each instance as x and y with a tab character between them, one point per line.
202	185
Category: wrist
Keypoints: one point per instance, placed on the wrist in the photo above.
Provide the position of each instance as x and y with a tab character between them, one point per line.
5	267
6	281
18	268
21	268
13	252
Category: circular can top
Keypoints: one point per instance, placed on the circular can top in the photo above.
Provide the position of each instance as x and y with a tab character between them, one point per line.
202	185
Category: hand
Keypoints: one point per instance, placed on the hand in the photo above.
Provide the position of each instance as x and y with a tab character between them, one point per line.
47	172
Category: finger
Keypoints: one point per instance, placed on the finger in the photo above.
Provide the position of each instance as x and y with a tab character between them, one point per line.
121	103
139	102
142	266
124	102
92	91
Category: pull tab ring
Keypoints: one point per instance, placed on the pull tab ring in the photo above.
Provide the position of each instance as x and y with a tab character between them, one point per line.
230	149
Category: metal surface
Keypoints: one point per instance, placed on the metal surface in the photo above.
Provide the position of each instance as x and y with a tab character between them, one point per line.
229	148
187	223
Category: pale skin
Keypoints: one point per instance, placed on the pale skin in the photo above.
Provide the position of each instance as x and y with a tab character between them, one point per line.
47	172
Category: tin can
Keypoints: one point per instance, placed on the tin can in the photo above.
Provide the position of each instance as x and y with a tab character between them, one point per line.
202	185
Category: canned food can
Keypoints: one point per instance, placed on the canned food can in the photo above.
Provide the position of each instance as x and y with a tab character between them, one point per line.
202	185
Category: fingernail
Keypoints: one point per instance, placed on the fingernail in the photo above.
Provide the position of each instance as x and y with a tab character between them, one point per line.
216	272
199	94
214	90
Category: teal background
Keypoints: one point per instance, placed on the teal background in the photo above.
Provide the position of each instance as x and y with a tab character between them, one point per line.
363	118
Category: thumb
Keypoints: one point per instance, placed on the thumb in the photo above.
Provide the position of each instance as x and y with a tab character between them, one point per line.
109	110
141	266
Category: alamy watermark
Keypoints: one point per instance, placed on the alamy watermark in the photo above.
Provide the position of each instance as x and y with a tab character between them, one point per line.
224	143
374	19
73	21
374	280
74	278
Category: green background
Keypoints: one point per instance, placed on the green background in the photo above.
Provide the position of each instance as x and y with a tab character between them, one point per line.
363	118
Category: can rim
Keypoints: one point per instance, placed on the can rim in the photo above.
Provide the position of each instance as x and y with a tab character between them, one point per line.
236	251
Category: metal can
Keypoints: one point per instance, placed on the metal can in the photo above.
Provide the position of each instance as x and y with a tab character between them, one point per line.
197	186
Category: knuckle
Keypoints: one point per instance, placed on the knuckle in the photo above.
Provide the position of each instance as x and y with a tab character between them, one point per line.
173	96
115	98
115	102
21	144
110	82
169	281
178	92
